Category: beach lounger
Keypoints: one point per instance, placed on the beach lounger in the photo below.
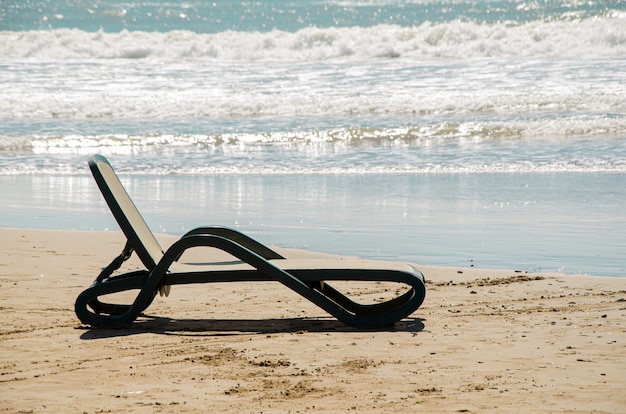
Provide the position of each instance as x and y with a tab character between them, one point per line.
252	262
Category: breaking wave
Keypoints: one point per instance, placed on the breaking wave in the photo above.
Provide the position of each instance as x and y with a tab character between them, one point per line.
603	36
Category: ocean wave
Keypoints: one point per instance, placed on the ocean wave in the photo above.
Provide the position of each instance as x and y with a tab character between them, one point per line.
437	134
567	37
469	147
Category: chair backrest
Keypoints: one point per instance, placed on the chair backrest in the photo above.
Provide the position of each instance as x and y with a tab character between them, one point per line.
125	212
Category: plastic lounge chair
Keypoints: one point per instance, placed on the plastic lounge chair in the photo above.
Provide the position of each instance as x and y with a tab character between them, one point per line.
255	263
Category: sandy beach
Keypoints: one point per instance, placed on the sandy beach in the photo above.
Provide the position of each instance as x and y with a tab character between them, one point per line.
483	341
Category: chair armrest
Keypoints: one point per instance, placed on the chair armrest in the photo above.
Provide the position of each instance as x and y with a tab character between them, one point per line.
237	237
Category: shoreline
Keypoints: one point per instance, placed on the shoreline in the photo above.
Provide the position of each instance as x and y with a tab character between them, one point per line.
485	340
526	222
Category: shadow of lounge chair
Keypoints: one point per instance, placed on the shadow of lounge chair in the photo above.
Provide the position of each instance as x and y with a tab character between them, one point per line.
253	262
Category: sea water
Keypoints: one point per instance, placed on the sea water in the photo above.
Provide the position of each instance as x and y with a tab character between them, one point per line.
454	132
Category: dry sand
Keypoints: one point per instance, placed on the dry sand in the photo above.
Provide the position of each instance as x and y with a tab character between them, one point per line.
483	341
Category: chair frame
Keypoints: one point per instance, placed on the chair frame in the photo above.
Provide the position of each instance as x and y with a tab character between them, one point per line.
264	265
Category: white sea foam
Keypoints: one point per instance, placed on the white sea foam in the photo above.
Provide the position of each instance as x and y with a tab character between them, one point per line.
422	135
192	90
541	146
592	37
